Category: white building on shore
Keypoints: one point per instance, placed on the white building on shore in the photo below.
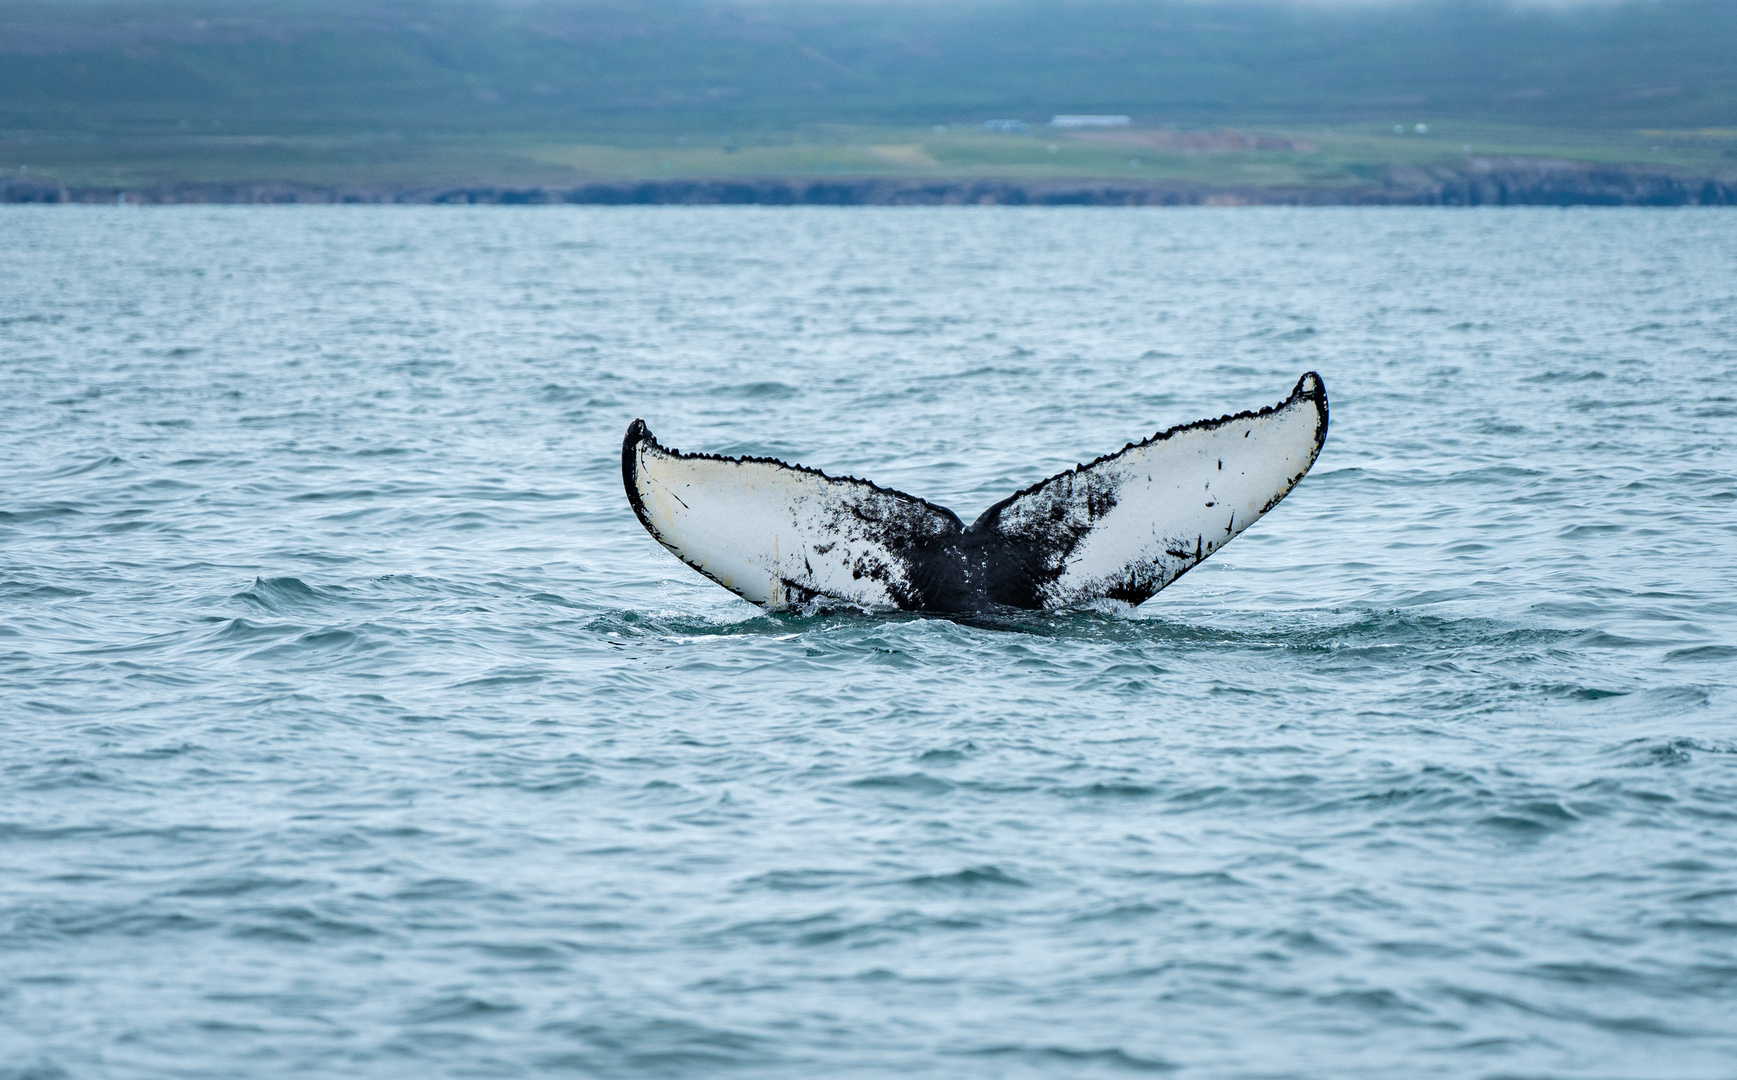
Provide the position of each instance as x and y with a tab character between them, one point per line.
1089	121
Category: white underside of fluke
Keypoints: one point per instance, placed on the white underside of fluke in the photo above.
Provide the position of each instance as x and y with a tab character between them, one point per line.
1121	527
1177	499
778	535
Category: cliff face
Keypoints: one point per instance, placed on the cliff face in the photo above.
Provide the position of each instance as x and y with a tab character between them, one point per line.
1482	182
1541	182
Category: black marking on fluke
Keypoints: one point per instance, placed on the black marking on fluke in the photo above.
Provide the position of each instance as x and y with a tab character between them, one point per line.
948	567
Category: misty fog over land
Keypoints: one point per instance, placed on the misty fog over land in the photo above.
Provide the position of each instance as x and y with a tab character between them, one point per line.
673	65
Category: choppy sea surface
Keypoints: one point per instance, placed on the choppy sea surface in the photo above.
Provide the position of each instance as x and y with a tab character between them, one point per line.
350	726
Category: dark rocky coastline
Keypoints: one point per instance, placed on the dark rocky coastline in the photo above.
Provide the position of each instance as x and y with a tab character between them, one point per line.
1482	182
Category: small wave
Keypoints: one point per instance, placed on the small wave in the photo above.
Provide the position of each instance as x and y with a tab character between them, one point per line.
1190	877
761	391
24	590
448	889
1483	999
332	639
283	594
921	783
566	776
1521	825
233	630
1050	1058
129	922
557	600
656	1047
509	677
104	462
385	451
1578	692
341	495
1704	654
545	954
967	880
299	924
754	623
796	880
1135	911
1381	1003
457	1007
1108	791
1671	752
1603	639
1721	929
1640	1025
1560	377
24	517
945	757
1587	974
237	885
817	929
1304	941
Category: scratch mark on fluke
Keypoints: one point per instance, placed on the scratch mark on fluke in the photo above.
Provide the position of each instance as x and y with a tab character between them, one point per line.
1115	527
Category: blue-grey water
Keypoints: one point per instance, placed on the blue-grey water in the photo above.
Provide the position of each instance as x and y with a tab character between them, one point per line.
350	726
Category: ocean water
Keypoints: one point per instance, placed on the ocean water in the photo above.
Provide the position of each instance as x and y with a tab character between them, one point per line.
350	726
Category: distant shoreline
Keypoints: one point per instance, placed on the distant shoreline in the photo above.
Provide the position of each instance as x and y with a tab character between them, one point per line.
1510	182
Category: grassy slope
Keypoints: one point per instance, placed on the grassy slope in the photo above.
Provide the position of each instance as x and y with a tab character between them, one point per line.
1332	157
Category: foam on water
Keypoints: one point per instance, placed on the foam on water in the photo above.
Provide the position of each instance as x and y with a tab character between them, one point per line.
353	726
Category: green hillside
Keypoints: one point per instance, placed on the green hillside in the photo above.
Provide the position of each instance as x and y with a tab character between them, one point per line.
545	91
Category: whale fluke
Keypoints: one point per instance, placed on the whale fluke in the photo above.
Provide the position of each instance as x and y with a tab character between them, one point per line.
1121	527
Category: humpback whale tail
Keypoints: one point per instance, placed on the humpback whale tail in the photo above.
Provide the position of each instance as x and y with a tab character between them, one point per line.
1121	527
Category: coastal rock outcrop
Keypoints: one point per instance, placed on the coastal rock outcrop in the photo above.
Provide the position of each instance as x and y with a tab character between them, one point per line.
1480	182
